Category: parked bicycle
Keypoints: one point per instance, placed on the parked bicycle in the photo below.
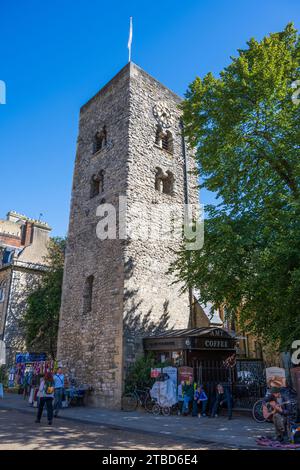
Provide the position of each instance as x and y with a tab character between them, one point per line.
131	400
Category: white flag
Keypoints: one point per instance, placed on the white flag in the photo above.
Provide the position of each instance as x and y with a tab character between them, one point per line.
130	40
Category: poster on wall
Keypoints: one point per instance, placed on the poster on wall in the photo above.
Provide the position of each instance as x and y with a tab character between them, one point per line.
275	377
172	373
185	374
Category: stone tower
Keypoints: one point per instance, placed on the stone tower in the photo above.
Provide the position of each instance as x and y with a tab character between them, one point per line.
117	291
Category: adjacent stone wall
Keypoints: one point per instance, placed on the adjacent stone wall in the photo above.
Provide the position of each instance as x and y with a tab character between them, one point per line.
20	283
5	276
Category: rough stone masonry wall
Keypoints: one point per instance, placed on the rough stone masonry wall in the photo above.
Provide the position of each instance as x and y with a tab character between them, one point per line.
132	295
91	344
152	302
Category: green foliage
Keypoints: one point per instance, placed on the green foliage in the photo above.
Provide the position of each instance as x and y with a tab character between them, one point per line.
139	373
42	313
244	128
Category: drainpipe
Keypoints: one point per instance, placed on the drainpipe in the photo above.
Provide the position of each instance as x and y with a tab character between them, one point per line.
186	201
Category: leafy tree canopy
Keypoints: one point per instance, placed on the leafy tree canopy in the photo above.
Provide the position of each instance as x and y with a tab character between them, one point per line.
244	128
43	305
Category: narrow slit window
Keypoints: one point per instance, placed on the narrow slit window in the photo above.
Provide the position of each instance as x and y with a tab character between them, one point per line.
97	184
88	294
100	139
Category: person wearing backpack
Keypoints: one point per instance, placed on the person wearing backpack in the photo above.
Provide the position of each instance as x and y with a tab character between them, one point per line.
46	395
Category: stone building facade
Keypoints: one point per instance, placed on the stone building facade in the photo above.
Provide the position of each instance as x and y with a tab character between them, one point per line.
117	290
23	247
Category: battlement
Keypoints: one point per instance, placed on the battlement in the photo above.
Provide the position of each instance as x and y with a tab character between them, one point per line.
13	216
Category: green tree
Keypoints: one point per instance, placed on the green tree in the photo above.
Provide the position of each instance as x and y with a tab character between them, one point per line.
42	314
244	127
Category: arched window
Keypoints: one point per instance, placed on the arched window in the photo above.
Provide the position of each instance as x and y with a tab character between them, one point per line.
159	180
97	184
8	254
164	182
168	183
164	139
88	294
100	139
159	136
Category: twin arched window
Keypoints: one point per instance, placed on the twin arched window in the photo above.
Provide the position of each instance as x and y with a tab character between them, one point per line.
164	182
164	139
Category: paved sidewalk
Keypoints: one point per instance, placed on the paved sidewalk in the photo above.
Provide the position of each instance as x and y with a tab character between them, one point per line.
240	432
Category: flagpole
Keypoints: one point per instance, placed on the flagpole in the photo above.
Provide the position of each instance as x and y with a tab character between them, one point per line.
130	39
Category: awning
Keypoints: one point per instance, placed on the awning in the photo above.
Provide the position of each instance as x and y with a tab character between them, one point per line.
204	338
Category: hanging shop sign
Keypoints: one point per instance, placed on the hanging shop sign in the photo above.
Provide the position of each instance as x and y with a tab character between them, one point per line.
23	358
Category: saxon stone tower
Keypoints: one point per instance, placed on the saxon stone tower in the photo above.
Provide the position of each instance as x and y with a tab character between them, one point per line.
116	291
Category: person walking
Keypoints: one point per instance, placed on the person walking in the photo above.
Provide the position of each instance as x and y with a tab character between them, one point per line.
46	395
59	383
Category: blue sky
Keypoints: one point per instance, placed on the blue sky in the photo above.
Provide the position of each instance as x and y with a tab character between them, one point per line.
56	54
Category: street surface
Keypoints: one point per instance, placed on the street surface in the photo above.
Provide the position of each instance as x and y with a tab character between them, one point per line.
18	431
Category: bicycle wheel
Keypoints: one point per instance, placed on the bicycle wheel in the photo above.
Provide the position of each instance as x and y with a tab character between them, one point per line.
166	410
129	402
257	412
155	409
149	403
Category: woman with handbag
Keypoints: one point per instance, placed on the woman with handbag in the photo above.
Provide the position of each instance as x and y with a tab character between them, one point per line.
46	395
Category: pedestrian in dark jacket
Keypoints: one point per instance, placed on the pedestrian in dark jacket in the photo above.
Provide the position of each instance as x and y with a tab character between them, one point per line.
222	396
46	395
